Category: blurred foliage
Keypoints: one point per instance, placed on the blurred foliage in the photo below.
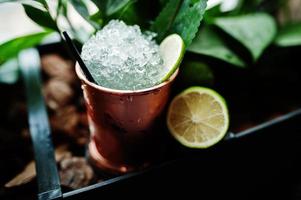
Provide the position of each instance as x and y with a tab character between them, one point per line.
196	73
182	17
253	25
209	43
9	72
290	35
41	17
12	47
254	31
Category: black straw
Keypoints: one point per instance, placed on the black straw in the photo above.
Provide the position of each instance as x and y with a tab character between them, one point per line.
78	58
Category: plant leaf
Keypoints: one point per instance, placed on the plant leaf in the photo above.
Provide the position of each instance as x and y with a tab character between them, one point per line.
40	4
11	48
164	21
98	4
129	14
182	17
9	71
82	9
42	18
189	18
254	31
15	1
4	1
290	35
163	2
44	3
196	73
96	18
110	7
212	13
135	12
208	42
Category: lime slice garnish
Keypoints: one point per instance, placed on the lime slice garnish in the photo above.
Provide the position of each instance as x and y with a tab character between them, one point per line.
198	117
172	50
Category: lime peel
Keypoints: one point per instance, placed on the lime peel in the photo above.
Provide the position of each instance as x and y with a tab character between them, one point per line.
197	131
172	50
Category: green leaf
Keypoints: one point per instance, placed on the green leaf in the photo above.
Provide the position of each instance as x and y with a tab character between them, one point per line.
97	18
11	48
254	31
110	7
164	21
290	35
182	17
42	18
196	73
129	14
82	9
189	18
163	2
208	42
136	12
9	71
40	4
44	3
16	1
251	6
98	4
212	13
4	1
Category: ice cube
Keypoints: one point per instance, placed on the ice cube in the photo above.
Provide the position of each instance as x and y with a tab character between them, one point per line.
122	57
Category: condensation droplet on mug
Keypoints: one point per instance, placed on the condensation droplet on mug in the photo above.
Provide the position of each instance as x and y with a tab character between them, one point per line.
130	98
121	100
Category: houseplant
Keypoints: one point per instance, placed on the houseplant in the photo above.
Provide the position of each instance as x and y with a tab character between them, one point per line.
237	50
251	25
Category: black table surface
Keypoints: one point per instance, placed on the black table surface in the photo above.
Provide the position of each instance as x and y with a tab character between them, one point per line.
264	165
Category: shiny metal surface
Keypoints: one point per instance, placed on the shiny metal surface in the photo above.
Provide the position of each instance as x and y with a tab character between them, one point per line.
122	124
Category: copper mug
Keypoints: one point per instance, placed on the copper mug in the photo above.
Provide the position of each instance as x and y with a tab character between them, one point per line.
122	124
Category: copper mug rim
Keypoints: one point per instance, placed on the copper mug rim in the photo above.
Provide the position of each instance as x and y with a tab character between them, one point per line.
120	92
